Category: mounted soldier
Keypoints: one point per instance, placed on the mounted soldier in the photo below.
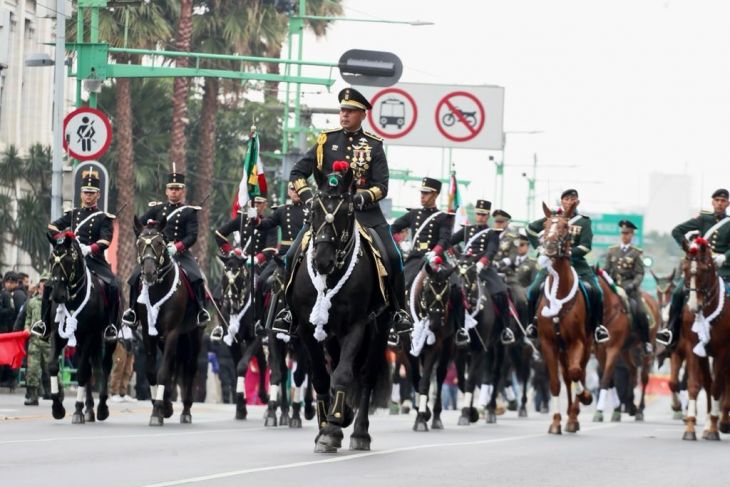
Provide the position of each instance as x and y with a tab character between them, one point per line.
581	244
625	266
506	258
481	243
525	266
364	154
256	241
94	230
181	233
713	226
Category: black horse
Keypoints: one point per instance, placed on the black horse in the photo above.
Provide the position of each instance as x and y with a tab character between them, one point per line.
168	319
81	312
337	301
239	332
431	340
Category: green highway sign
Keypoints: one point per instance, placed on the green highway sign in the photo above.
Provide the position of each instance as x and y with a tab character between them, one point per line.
606	230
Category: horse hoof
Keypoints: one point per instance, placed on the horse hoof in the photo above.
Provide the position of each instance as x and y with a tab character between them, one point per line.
491	417
616	417
186	418
156	421
89	416
572	427
102	412
77	418
284	419
725	428
167	409
332	441
678	415
711	436
639	416
437	424
405	409
522	413
555	429
359	444
319	448
59	412
598	417
270	420
512	405
464	420
420	425
689	436
295	422
585	398
241	413
309	411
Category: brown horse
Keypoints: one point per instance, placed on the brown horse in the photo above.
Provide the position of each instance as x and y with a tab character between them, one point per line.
561	322
647	360
708	334
617	319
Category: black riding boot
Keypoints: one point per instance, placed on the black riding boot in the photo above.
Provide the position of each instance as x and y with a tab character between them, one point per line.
670	335
42	328
507	335
129	317
641	323
402	322
600	332
457	314
533	297
203	315
111	332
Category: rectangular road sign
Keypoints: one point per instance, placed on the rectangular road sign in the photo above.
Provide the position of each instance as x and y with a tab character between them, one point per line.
606	230
430	115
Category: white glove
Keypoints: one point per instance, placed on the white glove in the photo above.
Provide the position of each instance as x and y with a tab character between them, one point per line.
86	249
171	249
480	266
506	261
719	260
430	255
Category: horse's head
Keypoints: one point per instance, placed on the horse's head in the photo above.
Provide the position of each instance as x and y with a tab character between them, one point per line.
434	297
556	239
152	255
236	279
333	217
699	272
467	273
67	266
665	286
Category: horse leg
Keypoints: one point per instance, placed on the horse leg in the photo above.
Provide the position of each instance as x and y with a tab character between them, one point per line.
275	379
161	409
713	391
469	413
694	374
550	357
429	355
189	368
102	410
320	381
53	371
645	367
441	369
248	351
612	351
572	425
83	376
499	355
258	352
360	438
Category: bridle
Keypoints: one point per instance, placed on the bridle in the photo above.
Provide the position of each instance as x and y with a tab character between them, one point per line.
555	244
439	299
470	284
234	289
706	292
327	232
64	276
163	263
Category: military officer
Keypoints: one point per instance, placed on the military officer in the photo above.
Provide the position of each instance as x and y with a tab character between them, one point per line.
525	266
364	152
582	241
482	243
181	233
94	230
626	267
714	227
39	347
430	229
507	252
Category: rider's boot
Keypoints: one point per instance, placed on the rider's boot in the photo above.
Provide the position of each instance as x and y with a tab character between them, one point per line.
111	333
506	336
129	317
283	322
669	335
532	299
600	332
203	315
642	325
402	322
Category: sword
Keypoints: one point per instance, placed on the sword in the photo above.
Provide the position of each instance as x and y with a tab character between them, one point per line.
513	312
216	334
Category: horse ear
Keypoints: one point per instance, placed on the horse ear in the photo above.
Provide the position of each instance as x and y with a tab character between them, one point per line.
137	226
546	210
671	276
651	271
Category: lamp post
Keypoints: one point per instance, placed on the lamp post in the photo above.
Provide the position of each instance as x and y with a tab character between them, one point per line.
499	166
58	86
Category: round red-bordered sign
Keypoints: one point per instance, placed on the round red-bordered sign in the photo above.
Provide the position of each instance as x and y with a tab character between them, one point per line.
87	133
454	116
392	118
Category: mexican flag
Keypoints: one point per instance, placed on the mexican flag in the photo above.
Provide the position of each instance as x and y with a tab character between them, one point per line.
253	181
12	348
455	204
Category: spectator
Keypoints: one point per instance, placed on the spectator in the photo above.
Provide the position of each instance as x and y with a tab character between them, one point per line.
450	387
12	299
123	367
24	282
39	348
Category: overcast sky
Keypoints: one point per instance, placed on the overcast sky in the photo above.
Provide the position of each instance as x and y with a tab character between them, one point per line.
618	88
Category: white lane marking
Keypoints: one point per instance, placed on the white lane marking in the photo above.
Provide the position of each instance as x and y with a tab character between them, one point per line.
357	456
150	435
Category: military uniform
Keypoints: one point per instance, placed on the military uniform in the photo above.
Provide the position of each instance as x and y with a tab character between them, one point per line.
181	233
525	270
430	231
715	228
365	155
39	349
625	266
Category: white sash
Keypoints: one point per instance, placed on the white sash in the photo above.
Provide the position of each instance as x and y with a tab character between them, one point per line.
475	236
83	222
176	210
423	225
716	227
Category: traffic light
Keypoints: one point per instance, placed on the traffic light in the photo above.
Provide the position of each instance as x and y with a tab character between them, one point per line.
370	68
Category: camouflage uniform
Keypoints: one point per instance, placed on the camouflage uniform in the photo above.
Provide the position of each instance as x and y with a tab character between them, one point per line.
39	350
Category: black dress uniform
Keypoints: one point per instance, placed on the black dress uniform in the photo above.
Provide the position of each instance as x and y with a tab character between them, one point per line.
365	154
715	228
93	228
181	230
431	233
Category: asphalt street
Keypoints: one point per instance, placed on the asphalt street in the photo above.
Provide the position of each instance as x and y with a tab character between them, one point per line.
217	450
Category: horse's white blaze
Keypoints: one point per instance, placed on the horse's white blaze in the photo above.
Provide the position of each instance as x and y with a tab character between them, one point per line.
160	392
240	384
395	393
577	387
468	398
555	405
601	405
80	394
692	408
692	302
274	392
422	403
54	384
553	227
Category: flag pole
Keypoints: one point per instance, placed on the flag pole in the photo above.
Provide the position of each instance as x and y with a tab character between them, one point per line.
252	227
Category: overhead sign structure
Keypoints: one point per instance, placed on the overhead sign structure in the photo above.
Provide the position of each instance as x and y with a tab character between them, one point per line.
82	171
370	68
606	232
87	134
429	115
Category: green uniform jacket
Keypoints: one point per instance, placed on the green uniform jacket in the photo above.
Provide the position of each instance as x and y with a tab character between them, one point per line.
582	241
32	311
504	259
626	268
719	238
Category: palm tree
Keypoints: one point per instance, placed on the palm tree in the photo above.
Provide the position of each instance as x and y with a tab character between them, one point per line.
183	36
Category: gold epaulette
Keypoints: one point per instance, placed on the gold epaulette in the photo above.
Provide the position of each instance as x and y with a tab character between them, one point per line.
372	135
109	215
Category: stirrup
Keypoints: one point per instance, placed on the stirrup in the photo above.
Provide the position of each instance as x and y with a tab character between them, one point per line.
393	339
402	322
282	322
203	317
258	329
129	317
531	331
38	329
664	337
601	334
217	334
111	334
462	337
507	337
